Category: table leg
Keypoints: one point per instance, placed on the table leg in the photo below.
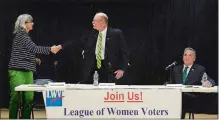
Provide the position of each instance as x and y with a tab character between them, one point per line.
0	112
19	105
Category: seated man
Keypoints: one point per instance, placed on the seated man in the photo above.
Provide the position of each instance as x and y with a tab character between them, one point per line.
189	74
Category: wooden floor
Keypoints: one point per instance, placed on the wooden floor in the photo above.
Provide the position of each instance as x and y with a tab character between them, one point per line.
41	114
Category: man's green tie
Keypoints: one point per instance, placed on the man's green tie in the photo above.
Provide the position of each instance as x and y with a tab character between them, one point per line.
99	49
184	75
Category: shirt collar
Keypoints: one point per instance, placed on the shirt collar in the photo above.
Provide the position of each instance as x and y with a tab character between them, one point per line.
104	31
188	66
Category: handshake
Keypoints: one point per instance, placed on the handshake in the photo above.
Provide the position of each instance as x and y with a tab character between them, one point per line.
54	49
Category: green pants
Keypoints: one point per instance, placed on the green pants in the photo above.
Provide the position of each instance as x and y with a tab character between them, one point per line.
17	78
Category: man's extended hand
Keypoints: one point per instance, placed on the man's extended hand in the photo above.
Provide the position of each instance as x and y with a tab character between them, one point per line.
55	49
207	84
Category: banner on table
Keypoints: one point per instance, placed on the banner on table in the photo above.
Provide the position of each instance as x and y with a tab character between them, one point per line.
113	103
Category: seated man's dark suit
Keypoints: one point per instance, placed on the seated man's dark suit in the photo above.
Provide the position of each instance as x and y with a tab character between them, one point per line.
194	77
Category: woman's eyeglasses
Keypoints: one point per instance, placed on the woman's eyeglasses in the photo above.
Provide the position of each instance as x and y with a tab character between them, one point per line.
29	22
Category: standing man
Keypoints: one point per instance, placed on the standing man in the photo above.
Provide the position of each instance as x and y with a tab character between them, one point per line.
104	50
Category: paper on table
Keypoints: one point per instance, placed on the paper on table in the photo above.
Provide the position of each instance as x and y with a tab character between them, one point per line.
34	85
174	85
197	86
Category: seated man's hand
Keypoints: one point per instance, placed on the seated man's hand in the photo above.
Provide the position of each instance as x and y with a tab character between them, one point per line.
207	84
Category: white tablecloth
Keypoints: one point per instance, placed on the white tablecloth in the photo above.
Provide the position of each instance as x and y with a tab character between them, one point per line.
120	101
86	86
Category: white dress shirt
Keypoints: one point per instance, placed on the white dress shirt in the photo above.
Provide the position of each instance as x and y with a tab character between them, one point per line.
187	69
103	43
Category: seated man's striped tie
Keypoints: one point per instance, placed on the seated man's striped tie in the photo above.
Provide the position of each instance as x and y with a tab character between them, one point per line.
99	50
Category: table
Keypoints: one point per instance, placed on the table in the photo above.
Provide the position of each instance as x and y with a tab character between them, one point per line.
91	101
40	88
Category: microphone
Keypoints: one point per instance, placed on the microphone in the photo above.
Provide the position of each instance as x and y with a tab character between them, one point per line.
77	83
171	65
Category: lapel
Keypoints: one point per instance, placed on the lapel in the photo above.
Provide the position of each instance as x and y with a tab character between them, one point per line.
180	74
189	76
94	39
108	35
107	40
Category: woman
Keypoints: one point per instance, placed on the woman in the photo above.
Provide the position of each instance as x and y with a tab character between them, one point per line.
22	64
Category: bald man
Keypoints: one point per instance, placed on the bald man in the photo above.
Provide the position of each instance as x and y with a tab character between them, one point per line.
104	50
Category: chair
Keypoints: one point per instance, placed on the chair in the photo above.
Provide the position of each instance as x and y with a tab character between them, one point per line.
192	109
191	113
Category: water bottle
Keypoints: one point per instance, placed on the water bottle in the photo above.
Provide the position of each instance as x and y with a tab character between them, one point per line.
95	78
204	79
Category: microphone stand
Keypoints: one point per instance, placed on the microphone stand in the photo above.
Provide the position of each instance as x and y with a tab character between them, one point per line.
170	72
170	67
55	70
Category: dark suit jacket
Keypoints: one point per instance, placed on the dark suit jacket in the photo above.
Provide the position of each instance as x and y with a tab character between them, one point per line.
194	76
116	51
190	101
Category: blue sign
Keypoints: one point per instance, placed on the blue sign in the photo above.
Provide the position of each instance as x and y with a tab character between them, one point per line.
54	98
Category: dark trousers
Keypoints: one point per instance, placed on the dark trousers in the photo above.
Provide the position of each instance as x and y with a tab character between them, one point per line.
106	74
